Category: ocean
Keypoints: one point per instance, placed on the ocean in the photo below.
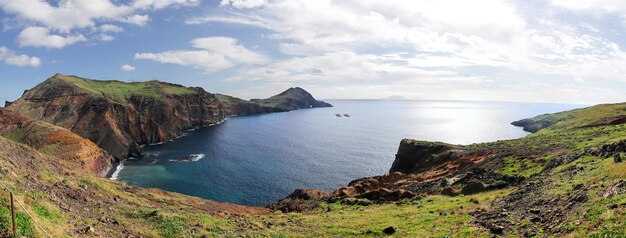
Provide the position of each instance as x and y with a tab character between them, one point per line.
253	160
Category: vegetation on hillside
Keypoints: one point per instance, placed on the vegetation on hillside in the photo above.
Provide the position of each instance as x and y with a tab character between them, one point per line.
120	91
571	189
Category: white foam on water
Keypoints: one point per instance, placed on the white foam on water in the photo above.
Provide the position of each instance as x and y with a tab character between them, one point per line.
196	157
118	169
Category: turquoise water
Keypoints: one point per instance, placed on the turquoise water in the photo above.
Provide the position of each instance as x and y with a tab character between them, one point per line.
254	160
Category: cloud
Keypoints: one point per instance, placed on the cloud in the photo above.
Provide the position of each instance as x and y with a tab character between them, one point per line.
127	68
396	43
609	6
159	4
105	37
41	37
140	20
244	3
111	28
67	16
213	53
229	20
9	57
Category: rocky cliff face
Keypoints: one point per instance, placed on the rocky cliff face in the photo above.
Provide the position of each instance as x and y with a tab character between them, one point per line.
414	156
55	141
119	116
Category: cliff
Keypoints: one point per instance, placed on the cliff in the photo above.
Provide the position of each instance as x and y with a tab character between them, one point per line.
55	141
119	116
418	156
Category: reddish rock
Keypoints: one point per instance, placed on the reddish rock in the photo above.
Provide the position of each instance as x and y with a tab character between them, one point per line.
473	187
449	191
55	141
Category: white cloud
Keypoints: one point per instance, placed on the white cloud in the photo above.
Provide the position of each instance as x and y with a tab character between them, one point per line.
41	37
230	20
159	4
106	37
67	16
213	53
429	42
127	68
244	3
9	57
595	5
111	28
140	20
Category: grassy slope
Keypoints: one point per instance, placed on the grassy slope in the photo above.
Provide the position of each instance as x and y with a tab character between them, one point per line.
119	91
113	209
229	101
433	216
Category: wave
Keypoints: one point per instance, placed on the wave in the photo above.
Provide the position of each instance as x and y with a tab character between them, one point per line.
118	169
219	122
190	158
198	157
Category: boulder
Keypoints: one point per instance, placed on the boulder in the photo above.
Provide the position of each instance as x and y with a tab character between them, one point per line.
300	200
617	158
386	194
449	191
389	230
473	187
308	194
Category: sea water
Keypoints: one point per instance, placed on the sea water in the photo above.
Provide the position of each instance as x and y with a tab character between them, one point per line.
254	160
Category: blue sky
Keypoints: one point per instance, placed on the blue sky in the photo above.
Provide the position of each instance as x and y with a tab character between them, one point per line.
568	51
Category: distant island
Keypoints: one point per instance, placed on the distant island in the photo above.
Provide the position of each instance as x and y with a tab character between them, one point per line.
59	138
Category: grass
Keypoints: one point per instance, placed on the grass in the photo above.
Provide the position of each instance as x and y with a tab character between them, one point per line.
121	91
16	135
25	226
157	214
436	216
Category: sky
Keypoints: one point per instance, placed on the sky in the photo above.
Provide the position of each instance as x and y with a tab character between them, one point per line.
560	51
